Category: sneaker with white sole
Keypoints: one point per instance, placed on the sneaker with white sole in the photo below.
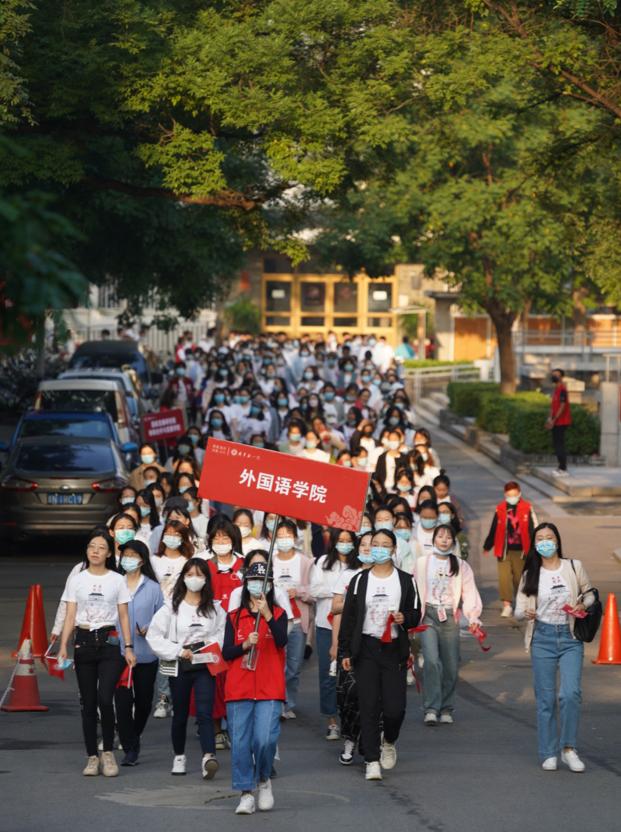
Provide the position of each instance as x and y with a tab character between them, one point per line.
162	709
265	796
550	764
507	611
347	755
333	732
373	771
410	678
209	766
572	761
109	767
92	767
289	714
246	805
220	741
446	719
430	718
178	764
388	756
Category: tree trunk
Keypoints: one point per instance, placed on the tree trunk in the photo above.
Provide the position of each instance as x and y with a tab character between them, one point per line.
503	324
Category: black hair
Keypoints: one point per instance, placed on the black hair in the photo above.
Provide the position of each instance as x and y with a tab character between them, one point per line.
442	479
142	550
382	507
149	499
332	555
452	557
427	504
126	488
431	498
205	605
244	512
123	515
101	531
532	564
391	535
221	523
287	524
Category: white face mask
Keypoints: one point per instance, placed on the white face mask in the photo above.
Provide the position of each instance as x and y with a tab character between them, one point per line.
245	531
221	548
284	544
194	583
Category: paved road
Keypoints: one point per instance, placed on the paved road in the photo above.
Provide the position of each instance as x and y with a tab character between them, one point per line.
482	773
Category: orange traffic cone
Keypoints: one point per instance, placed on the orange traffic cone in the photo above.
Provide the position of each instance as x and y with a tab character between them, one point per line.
23	685
33	625
610	643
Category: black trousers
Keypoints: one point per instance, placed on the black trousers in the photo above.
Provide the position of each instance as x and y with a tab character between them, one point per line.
204	687
98	666
558	439
133	706
382	691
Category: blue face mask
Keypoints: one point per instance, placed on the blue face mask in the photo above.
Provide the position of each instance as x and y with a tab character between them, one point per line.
283	403
329	396
428	522
365	558
513	501
546	548
404	534
145	511
255	411
393	421
130	564
184	488
385	525
191	505
124	535
381	554
219	398
344	548
365	529
216	424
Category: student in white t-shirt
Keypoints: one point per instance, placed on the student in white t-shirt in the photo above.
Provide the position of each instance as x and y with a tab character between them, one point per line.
96	597
244	520
191	621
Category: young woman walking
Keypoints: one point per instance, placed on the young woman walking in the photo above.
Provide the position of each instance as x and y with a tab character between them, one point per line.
97	597
553	589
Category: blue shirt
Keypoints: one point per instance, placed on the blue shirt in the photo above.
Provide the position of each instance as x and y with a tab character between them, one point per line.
142	607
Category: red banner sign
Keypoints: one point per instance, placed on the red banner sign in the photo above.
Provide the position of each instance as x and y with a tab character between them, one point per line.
165	424
291	486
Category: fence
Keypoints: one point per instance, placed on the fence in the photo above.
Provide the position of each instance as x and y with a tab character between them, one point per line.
567	339
423	381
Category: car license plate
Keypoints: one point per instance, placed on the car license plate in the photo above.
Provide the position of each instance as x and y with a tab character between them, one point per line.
65	499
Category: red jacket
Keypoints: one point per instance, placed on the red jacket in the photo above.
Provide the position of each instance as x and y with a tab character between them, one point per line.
224	583
560	396
523	512
268	680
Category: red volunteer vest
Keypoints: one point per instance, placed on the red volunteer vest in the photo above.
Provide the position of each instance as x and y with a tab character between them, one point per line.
268	680
565	418
224	583
523	509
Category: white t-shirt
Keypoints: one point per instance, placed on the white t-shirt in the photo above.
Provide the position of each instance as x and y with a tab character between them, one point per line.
552	595
424	537
383	597
97	598
200	526
323	582
249	543
287	573
343	581
167	571
439	582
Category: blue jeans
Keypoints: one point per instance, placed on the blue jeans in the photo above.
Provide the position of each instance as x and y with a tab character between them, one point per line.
204	691
295	656
254	727
327	683
553	649
441	653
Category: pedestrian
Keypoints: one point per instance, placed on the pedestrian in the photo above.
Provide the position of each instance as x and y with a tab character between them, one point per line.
553	590
325	575
447	590
255	695
192	621
97	597
559	420
510	536
133	701
381	605
123	528
148	459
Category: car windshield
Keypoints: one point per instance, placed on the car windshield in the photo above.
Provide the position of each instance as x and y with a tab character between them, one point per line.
90	361
78	458
103	400
79	428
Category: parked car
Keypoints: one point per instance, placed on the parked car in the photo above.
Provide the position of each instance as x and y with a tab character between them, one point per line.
59	485
117	354
136	404
89	395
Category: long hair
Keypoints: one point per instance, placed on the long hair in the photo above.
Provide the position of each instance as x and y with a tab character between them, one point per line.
205	605
101	531
332	555
147	495
532	564
137	547
187	548
452	557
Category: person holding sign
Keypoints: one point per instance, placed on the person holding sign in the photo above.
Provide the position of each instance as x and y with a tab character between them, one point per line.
175	634
381	605
255	691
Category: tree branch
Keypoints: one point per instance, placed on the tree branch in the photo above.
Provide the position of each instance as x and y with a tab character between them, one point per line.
222	199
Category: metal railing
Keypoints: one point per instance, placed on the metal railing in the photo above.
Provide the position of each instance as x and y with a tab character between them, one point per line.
590	339
423	381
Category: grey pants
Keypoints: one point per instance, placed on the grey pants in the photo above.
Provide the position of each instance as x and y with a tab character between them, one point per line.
440	643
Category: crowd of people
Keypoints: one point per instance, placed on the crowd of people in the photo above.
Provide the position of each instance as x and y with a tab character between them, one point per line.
178	601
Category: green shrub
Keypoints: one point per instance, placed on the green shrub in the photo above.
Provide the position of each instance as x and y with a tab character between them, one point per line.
464	396
583	433
243	315
494	408
527	431
422	363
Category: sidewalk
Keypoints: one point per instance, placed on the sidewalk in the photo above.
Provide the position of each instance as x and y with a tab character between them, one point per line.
584	480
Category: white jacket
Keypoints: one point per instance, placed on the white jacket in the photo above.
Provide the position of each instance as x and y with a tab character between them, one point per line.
464	589
167	634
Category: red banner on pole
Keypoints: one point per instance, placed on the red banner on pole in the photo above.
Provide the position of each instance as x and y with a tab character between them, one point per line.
291	486
165	424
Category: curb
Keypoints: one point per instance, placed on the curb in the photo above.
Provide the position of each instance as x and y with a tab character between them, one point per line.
616	553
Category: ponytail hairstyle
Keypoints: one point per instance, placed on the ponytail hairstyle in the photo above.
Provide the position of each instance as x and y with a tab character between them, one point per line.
532	565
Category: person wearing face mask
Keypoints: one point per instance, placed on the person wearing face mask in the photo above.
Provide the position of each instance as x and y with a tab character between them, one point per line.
295	438
325	574
148	459
159	496
384	519
559	420
292	574
510	537
448	590
442	489
198	446
217	426
312	381
427	522
244	521
123	528
182	391
127	497
191	622
133	703
553	590
255	697
404	486
312	449
199	521
219	399
97	599
332	404
149	517
381	605
182	483
390	462
175	508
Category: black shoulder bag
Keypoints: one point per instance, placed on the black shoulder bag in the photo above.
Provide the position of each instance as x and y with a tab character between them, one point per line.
585	629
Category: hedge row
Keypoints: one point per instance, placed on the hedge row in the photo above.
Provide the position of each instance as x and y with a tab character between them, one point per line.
422	363
523	417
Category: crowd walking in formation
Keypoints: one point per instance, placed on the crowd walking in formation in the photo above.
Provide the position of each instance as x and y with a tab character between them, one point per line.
179	612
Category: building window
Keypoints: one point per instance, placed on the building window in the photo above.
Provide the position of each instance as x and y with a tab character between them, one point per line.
312	297
380	297
345	298
277	296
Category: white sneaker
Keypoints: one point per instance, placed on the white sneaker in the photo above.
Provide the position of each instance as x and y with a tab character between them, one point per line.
347	755
246	805
430	718
446	719
265	796
373	772
161	710
550	764
560	473
289	715
388	756
178	764
333	732
507	611
410	678
209	766
572	761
